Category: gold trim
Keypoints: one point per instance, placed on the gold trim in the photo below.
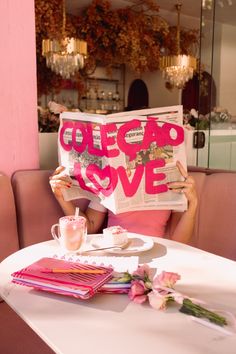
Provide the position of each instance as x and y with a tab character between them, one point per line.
65	46
178	60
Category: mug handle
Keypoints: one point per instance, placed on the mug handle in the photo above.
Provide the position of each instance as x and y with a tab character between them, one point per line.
54	235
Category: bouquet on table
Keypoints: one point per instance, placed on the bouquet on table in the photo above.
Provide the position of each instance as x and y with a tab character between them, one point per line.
160	292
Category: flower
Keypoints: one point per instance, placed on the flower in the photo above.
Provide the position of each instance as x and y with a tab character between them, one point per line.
157	300
143	271
138	291
160	291
202	121
56	108
166	279
48	119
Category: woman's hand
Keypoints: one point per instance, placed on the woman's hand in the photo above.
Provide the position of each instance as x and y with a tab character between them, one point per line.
187	186
59	180
185	224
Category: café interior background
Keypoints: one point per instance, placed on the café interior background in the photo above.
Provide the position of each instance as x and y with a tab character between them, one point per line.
215	21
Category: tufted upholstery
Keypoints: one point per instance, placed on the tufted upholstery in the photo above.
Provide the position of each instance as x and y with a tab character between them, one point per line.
37	209
8	228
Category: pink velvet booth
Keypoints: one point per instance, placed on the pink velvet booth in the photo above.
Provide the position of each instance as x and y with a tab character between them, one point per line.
15	335
8	231
36	208
215	227
217	223
28	209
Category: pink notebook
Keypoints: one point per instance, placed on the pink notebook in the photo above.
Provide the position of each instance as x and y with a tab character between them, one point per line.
39	275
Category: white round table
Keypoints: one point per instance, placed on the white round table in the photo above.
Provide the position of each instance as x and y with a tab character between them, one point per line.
112	323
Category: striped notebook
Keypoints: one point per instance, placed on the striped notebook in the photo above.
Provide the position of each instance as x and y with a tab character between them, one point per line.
64	277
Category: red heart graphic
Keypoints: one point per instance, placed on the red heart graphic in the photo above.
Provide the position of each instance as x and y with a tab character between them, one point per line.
108	172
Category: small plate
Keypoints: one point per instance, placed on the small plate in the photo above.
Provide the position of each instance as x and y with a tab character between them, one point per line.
136	243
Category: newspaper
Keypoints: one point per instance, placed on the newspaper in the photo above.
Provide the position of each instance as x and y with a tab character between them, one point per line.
124	160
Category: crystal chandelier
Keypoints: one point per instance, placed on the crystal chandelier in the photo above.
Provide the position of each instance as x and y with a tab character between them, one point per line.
208	4
64	56
178	69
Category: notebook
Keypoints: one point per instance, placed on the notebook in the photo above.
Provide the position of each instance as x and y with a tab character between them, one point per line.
119	264
40	276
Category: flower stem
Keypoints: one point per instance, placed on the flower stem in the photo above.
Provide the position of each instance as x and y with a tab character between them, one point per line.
192	309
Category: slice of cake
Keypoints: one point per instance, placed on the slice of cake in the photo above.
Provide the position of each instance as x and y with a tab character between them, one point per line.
115	236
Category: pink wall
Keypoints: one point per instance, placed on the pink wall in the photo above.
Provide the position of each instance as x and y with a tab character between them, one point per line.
18	93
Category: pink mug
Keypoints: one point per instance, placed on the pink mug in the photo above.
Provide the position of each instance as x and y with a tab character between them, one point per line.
71	232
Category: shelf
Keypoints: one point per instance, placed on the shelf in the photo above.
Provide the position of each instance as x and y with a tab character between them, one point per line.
104	93
99	100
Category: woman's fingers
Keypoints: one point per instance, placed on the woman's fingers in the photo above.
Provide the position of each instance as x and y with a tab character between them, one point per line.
59	174
60	183
61	177
57	171
59	180
187	187
182	170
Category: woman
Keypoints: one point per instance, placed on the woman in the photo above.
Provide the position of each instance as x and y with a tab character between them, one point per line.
147	222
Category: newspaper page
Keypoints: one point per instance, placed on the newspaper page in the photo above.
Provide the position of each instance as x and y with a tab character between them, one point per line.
124	160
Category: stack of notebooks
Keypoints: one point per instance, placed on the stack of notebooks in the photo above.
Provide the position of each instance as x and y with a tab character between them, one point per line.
70	278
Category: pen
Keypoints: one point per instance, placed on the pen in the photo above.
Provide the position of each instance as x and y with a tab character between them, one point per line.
78	271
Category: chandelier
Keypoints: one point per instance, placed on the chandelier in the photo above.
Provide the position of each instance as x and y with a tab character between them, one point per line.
64	56
208	4
178	69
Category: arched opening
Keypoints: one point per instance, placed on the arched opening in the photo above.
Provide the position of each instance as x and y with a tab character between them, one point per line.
138	96
200	94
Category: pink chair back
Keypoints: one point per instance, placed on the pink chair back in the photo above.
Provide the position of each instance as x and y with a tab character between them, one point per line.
8	228
36	207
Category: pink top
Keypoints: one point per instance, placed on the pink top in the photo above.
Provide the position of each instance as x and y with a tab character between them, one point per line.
148	222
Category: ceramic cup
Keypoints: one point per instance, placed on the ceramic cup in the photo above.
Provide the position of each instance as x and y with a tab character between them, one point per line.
71	232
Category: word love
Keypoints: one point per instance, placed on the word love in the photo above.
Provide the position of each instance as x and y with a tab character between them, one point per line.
110	135
111	175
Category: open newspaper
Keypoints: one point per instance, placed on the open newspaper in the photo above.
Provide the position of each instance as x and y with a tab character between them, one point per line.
124	160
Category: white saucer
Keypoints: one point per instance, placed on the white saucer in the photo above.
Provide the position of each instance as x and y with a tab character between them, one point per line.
136	243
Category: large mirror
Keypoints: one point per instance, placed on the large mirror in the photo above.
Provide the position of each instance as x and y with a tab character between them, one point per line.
218	49
208	98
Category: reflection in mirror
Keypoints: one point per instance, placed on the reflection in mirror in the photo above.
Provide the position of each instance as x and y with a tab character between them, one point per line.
218	51
114	38
211	93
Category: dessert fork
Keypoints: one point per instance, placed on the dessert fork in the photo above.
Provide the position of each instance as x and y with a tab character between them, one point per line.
125	245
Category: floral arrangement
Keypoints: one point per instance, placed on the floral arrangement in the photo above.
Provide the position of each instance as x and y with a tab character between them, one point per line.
202	122
48	119
135	36
160	292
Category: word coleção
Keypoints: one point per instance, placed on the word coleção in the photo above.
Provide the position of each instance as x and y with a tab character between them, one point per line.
113	142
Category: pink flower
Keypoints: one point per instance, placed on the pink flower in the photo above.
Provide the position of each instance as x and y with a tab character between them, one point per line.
165	279
137	292
157	301
142	271
178	297
56	108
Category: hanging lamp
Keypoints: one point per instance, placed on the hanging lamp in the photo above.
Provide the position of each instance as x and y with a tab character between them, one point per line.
64	56
178	69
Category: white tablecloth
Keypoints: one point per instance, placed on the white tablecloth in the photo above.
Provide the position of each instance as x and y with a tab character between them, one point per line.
112	323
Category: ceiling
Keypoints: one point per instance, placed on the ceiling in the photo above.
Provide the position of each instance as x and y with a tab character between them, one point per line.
225	9
74	6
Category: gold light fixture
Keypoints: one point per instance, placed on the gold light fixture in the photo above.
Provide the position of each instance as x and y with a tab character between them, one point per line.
178	69
64	56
